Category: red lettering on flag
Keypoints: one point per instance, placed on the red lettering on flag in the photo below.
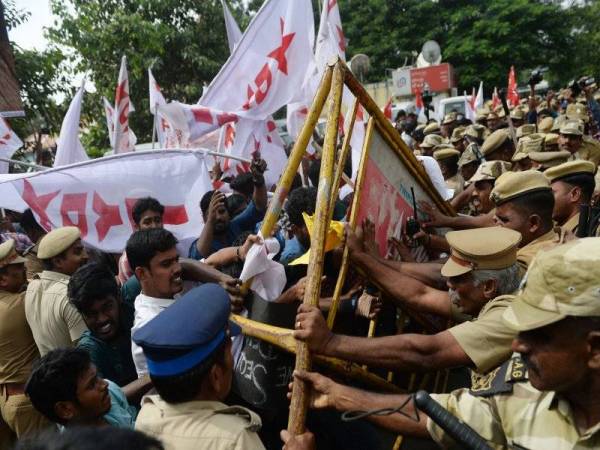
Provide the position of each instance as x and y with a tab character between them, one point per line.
330	5
202	115
74	203
109	216
38	203
224	118
263	84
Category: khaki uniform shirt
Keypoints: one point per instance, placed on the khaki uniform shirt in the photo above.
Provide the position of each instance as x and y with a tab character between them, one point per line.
571	224
17	347
526	254
486	340
53	320
33	264
199	424
589	150
510	413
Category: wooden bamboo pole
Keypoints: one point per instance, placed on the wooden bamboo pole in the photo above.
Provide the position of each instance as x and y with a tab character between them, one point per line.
297	153
300	394
282	338
337	292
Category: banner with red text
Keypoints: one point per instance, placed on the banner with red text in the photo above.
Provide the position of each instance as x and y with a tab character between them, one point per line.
97	196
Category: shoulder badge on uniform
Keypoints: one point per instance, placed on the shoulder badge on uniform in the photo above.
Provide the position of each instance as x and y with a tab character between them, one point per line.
254	422
500	380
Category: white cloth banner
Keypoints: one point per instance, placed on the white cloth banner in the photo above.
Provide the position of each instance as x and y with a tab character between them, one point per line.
9	143
474	103
97	195
168	135
69	149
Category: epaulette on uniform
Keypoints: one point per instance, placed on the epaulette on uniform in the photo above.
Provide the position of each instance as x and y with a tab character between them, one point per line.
500	380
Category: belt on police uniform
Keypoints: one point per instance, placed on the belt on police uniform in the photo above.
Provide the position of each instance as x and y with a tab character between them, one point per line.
13	388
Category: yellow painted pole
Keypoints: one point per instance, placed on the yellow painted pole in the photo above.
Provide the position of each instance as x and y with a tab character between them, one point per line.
294	160
300	393
296	155
282	338
337	292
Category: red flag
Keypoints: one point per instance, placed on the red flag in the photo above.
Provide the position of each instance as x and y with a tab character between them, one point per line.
387	110
512	95
418	100
495	99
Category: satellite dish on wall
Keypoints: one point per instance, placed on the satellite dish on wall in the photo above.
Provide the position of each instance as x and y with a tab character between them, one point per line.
431	55
360	65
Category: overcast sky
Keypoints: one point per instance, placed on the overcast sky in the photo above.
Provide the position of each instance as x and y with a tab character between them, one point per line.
31	34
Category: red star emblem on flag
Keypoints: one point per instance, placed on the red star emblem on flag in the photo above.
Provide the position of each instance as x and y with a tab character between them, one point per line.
279	53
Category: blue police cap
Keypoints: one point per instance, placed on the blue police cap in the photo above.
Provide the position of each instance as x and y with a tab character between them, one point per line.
187	332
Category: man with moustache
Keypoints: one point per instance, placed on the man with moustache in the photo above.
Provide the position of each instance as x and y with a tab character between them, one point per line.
547	396
153	257
480	271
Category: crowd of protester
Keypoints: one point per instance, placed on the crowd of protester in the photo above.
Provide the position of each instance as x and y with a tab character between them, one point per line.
143	340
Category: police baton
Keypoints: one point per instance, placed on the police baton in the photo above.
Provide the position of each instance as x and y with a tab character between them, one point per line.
456	429
511	127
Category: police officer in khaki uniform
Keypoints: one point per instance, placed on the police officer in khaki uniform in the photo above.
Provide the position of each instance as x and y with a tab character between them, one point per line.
572	139
498	146
53	320
188	350
481	269
572	185
447	158
545	399
17	350
524	202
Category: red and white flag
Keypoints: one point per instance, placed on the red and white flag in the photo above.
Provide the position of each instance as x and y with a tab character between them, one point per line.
387	110
69	149
330	38
168	136
512	96
357	139
121	141
474	103
265	71
234	34
495	99
109	112
97	196
9	143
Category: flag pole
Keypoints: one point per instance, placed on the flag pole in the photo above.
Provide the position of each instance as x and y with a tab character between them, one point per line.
154	125
26	164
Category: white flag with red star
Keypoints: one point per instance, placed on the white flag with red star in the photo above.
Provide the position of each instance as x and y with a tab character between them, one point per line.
265	71
9	143
121	141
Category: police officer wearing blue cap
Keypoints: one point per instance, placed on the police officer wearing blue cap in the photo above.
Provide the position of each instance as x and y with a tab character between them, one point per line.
188	350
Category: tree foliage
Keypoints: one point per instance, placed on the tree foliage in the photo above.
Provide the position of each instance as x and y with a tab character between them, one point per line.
183	40
480	38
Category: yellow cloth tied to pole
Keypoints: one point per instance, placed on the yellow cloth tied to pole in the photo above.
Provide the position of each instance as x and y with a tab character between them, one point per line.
335	236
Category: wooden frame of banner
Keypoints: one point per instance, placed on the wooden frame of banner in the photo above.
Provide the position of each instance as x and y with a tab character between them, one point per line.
336	75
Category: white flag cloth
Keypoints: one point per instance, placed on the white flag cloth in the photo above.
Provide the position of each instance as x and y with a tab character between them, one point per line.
121	141
9	143
69	149
97	195
234	34
265	71
109	112
330	38
269	276
168	135
474	103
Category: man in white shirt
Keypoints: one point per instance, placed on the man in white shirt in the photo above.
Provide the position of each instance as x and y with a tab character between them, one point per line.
155	262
